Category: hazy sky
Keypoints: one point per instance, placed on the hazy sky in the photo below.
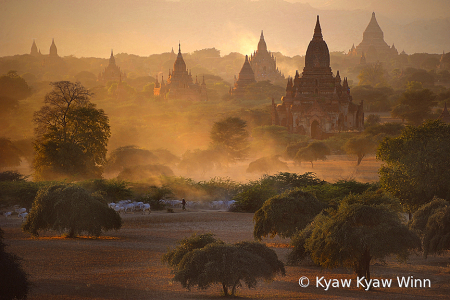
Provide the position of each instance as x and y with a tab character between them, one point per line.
86	28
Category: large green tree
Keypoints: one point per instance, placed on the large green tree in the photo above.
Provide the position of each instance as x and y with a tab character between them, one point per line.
202	261
432	222
415	168
365	227
231	135
286	214
71	209
71	134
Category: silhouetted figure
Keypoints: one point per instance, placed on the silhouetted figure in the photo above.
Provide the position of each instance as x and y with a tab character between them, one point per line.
183	204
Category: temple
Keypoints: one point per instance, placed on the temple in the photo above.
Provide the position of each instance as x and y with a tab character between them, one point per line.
317	103
180	84
373	45
53	50
246	77
112	72
264	64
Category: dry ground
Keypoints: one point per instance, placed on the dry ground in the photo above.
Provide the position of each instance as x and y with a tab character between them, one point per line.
127	264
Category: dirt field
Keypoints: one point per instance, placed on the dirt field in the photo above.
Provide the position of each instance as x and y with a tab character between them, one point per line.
127	264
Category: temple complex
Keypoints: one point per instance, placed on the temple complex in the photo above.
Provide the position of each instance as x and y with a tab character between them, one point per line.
373	45
264	64
317	103
112	72
445	115
180	84
246	77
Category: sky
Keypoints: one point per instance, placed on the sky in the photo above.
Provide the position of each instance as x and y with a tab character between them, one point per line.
91	28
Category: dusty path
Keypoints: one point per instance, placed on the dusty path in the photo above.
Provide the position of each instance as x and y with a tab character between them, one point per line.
127	264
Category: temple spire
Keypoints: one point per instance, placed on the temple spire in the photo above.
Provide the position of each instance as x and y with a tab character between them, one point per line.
318	30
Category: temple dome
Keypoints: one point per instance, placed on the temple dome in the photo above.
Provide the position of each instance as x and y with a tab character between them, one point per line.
317	54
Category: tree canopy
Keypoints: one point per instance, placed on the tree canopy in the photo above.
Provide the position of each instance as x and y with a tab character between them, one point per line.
364	227
415	168
71	134
231	135
70	208
415	105
9	154
12	89
313	152
432	222
286	214
360	146
203	260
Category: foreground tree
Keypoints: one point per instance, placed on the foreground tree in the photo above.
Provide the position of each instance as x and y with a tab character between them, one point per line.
231	135
432	222
285	214
70	208
14	283
202	261
365	227
71	134
416	164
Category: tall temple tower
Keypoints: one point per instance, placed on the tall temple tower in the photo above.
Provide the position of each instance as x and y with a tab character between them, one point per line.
317	103
373	44
264	64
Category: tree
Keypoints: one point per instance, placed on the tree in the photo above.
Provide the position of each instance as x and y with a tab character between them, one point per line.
14	283
415	105
373	74
70	208
415	168
71	134
360	146
286	214
267	164
231	135
202	261
432	222
9	154
313	152
365	227
129	156
12	89
12	176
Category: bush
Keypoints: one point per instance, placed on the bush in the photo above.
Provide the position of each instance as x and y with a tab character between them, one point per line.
70	207
14	283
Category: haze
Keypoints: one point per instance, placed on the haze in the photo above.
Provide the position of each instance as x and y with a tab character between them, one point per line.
92	28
